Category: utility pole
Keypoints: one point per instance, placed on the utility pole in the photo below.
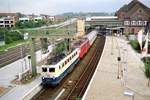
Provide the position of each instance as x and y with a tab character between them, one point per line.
33	57
118	73
112	42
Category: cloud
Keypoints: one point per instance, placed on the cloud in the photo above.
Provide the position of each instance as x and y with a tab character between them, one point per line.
60	6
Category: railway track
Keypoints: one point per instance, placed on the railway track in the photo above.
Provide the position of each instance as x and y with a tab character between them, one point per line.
12	55
16	53
81	84
75	84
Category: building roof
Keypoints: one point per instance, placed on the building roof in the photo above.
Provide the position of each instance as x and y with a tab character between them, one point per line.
56	59
101	18
8	14
6	18
133	3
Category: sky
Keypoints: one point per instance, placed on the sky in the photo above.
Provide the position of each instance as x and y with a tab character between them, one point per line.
53	7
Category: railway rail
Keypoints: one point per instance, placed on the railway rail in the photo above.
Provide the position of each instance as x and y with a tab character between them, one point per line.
75	84
12	55
16	53
81	84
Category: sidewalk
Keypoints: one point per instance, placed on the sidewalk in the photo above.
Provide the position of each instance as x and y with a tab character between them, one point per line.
106	86
19	92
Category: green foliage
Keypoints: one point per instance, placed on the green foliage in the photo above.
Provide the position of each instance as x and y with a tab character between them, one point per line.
147	70
13	36
147	73
10	36
126	35
60	48
135	45
47	31
146	60
11	45
30	24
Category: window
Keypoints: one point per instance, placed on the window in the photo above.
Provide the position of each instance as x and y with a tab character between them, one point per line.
6	21
65	62
44	69
63	65
1	21
51	69
6	25
21	21
140	23
126	22
68	59
1	25
59	67
145	23
133	22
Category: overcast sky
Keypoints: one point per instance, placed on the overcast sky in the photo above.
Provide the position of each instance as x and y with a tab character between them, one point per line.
53	7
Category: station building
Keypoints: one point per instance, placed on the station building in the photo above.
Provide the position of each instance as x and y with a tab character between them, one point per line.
134	16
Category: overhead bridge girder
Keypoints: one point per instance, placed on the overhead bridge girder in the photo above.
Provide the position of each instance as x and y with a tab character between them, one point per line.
112	23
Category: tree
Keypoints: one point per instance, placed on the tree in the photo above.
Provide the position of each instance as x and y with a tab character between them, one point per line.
10	36
30	24
147	73
58	49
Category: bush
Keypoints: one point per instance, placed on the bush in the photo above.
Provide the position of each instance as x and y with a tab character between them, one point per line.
135	45
11	36
147	73
30	24
59	48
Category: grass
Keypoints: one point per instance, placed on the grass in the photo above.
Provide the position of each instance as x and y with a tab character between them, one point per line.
11	45
49	31
28	78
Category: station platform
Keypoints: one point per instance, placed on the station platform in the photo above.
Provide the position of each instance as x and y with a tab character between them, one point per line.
12	91
132	84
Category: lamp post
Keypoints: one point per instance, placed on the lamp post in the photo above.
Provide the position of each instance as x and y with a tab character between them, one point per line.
29	59
112	43
119	59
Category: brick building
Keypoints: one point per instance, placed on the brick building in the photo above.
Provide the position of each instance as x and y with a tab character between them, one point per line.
134	15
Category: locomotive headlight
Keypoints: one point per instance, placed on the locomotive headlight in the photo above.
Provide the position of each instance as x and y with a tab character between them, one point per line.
53	77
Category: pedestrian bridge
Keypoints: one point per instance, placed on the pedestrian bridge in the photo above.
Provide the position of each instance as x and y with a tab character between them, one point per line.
104	21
